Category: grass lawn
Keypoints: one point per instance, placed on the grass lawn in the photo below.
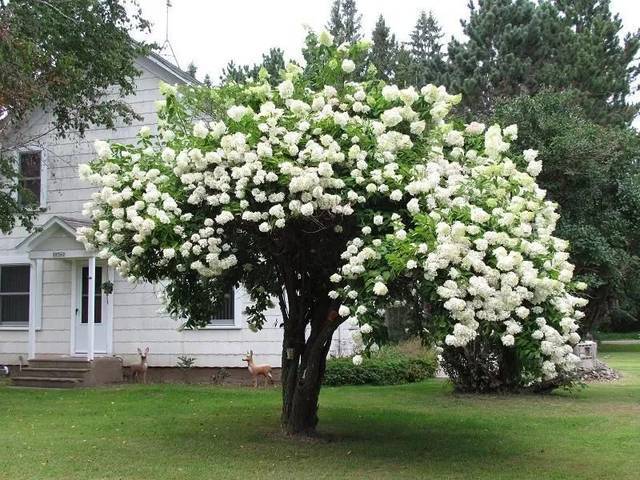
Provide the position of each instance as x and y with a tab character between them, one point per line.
619	347
415	431
617	336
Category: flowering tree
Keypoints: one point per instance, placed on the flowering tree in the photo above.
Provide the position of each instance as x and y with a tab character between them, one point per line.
335	198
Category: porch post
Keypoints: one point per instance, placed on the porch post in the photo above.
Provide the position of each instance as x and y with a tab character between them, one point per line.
32	309
91	310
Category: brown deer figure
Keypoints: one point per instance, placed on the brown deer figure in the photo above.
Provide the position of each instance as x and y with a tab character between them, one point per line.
139	370
258	370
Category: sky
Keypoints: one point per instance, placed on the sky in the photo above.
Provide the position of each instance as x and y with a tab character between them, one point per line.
212	32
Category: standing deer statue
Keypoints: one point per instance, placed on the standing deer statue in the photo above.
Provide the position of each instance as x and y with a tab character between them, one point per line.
257	370
139	370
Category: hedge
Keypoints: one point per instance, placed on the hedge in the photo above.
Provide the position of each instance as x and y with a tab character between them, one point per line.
389	367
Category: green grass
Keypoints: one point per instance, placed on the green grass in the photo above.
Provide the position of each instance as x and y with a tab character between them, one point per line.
619	347
411	431
617	336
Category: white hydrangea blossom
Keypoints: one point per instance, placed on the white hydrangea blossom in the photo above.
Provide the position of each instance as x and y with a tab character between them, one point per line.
348	66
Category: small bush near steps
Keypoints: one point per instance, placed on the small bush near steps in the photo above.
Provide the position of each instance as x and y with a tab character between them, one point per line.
406	362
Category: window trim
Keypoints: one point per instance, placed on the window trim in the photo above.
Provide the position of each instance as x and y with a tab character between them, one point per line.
18	325
236	324
44	171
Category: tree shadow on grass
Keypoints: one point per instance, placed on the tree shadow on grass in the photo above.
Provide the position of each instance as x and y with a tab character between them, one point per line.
390	436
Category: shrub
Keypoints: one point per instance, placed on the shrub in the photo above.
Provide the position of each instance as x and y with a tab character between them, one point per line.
481	366
406	362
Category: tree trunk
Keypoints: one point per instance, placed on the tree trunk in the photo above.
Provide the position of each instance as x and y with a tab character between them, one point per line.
304	265
303	366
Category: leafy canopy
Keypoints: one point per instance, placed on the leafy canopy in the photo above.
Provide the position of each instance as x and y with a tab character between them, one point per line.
63	56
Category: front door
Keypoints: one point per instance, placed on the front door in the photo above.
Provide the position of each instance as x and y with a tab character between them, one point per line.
82	311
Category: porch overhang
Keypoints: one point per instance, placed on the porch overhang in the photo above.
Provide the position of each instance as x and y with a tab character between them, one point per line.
56	239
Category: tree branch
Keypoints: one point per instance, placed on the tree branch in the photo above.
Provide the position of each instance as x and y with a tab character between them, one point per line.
57	10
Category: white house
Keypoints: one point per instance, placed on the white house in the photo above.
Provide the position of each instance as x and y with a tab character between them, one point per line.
45	276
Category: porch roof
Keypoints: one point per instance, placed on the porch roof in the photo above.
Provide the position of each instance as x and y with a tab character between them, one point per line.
56	238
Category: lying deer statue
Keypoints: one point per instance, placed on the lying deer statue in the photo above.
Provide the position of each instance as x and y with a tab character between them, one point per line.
139	370
257	370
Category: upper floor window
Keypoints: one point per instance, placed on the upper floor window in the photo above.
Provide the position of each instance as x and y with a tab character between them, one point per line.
225	316
30	168
14	294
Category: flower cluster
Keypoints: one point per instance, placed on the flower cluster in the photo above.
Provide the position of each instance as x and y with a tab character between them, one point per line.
478	232
441	204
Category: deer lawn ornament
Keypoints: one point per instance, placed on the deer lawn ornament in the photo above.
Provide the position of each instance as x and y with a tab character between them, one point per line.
139	370
257	370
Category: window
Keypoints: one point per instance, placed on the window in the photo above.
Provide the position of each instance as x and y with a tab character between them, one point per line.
30	170
97	318
14	294
225	317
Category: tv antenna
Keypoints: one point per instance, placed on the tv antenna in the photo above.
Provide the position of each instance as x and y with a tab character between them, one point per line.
167	49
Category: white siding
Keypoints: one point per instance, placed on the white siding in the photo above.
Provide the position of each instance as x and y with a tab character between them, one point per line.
138	323
136	318
56	305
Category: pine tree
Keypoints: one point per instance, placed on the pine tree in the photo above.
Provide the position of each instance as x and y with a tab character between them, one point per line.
272	61
334	25
192	69
521	47
383	50
235	73
504	49
425	46
598	63
352	21
404	72
345	23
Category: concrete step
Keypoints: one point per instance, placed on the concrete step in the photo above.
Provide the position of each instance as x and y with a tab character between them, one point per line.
43	382
60	363
54	372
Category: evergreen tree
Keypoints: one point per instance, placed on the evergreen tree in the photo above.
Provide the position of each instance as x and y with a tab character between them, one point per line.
598	63
235	73
428	64
405	70
352	21
519	47
192	69
334	25
505	49
345	23
383	50
272	62
207	80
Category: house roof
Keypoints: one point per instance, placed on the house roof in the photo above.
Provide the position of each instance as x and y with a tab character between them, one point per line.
68	224
172	69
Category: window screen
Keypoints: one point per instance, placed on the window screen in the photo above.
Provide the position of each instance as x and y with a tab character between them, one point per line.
14	294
